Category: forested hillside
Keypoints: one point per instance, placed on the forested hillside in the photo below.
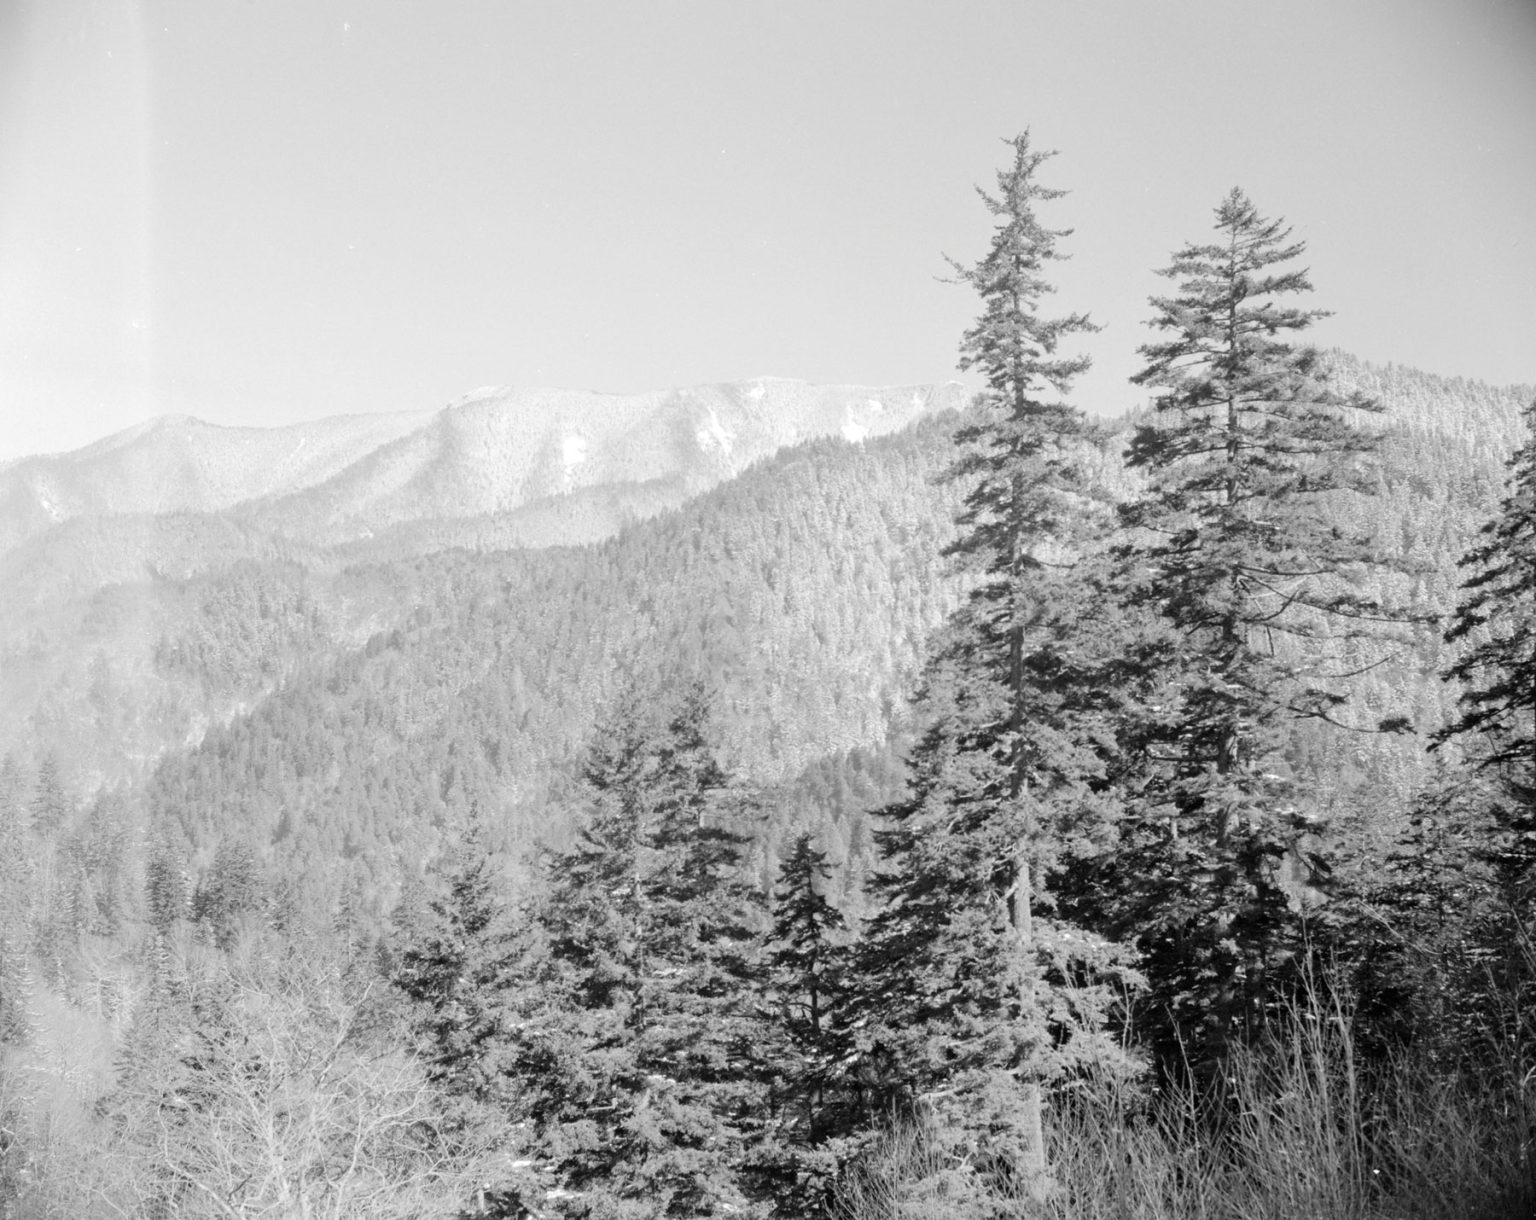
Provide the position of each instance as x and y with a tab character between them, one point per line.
801	593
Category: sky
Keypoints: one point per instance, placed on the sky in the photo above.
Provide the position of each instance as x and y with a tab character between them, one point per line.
267	211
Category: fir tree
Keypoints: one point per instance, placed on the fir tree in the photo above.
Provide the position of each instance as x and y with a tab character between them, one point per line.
979	995
99	849
1421	931
1496	619
51	806
233	894
152	1101
1234	554
458	969
808	968
167	887
1496	622
16	1025
15	817
809	982
650	1089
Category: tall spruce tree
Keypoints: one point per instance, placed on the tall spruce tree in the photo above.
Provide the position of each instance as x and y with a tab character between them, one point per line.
1496	623
1248	581
230	900
1496	619
978	995
809	979
51	806
167	886
651	1096
459	969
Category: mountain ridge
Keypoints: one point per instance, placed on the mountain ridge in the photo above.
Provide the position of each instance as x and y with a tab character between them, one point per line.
490	451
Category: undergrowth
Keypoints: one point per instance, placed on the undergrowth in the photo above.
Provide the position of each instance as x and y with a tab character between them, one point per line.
1297	1128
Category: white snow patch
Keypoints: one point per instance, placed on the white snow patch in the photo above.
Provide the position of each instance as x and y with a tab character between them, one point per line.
573	452
713	435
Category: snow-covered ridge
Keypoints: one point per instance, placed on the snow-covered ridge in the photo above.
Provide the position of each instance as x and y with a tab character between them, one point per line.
491	451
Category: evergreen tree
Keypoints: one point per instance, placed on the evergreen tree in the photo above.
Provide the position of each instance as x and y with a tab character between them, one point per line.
1497	621
809	981
15	817
99	849
650	1093
232	894
1421	931
150	1102
16	1025
459	970
167	887
1233	552
980	996
50	803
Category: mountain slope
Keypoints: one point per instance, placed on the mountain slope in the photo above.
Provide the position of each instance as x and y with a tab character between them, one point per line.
802	591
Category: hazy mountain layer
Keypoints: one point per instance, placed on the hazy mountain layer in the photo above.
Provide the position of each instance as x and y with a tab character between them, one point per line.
180	464
493	452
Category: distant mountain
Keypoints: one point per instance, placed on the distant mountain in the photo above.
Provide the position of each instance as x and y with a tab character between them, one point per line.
501	451
180	464
494	453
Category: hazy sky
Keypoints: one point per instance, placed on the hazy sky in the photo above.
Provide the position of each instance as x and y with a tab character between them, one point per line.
259	211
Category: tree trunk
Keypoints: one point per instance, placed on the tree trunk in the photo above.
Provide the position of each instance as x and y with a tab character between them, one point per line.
1021	908
1037	1182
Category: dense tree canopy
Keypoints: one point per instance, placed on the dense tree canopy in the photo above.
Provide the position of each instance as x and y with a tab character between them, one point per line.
1234	554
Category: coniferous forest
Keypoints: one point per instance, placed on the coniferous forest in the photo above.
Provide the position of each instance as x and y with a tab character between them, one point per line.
1022	813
